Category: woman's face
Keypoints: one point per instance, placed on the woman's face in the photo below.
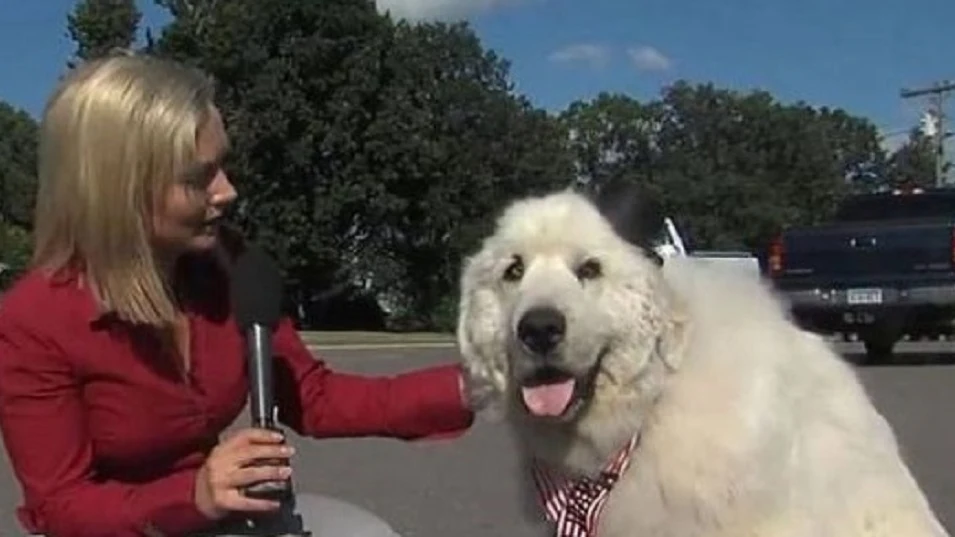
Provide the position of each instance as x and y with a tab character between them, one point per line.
189	214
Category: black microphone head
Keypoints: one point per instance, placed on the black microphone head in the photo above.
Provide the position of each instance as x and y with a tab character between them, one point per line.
256	289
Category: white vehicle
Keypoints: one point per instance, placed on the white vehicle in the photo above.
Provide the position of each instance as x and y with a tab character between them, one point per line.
671	245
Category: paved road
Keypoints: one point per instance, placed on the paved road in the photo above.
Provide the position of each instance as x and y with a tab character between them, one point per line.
465	488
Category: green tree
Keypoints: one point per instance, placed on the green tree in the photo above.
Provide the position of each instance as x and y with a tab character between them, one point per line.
298	83
913	163
451	143
18	154
369	153
18	132
612	138
758	164
731	167
98	26
15	250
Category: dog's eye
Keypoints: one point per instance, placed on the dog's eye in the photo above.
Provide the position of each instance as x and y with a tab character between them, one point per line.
514	271
589	270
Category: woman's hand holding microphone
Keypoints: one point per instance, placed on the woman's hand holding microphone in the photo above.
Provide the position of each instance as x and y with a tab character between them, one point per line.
232	466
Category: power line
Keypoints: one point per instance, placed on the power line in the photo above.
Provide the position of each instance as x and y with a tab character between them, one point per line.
937	94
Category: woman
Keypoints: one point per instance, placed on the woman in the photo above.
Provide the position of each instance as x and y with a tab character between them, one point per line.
120	364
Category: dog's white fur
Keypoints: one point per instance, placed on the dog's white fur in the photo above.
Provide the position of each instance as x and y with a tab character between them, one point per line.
749	426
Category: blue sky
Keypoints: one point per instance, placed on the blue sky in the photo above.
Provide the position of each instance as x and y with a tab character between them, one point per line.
855	54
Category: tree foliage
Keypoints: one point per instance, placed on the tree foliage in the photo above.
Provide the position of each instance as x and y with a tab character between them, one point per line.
372	154
15	248
18	134
18	148
98	26
734	167
369	153
913	163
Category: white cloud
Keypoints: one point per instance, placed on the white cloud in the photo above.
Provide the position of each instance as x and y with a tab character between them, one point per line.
648	58
435	10
592	54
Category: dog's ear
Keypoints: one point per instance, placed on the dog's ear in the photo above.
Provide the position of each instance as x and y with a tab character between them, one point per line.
633	211
675	335
479	336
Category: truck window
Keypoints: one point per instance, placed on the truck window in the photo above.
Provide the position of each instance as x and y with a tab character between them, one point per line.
897	207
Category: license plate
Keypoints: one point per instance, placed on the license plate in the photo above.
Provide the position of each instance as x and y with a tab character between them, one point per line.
864	296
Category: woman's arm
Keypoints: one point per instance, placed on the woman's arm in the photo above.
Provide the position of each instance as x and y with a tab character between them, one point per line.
43	426
316	401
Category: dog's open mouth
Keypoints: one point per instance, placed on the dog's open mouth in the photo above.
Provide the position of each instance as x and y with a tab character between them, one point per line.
549	392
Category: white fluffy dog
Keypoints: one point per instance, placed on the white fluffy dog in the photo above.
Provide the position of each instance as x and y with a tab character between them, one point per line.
721	417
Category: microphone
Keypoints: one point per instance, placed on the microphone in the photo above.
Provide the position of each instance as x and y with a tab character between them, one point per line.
256	290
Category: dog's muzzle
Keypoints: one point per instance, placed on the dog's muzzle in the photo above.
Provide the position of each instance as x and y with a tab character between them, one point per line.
547	388
541	330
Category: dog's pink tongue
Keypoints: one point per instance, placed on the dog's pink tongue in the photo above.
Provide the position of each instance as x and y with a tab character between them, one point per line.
548	399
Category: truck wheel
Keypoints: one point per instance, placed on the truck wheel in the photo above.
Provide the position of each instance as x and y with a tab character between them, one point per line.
878	349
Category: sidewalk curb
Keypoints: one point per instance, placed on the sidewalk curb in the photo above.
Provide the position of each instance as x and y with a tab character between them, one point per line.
374	346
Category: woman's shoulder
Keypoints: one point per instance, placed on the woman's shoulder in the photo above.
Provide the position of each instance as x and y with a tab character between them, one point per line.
26	294
39	299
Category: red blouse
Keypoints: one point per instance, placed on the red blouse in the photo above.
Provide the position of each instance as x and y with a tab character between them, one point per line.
106	439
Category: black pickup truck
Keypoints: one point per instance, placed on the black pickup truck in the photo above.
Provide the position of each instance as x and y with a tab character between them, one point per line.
885	267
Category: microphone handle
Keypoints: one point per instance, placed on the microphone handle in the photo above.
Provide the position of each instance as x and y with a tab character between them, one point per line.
262	407
261	396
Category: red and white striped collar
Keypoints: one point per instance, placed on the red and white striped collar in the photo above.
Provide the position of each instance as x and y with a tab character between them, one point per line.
575	504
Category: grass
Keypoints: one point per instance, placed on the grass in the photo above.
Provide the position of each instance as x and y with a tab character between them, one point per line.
364	338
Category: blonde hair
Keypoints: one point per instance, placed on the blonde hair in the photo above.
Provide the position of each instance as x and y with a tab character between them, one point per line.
114	136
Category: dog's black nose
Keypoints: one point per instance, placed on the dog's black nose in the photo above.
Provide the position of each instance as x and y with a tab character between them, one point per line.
541	329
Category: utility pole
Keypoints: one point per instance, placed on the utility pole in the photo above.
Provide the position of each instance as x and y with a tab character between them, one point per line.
937	94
